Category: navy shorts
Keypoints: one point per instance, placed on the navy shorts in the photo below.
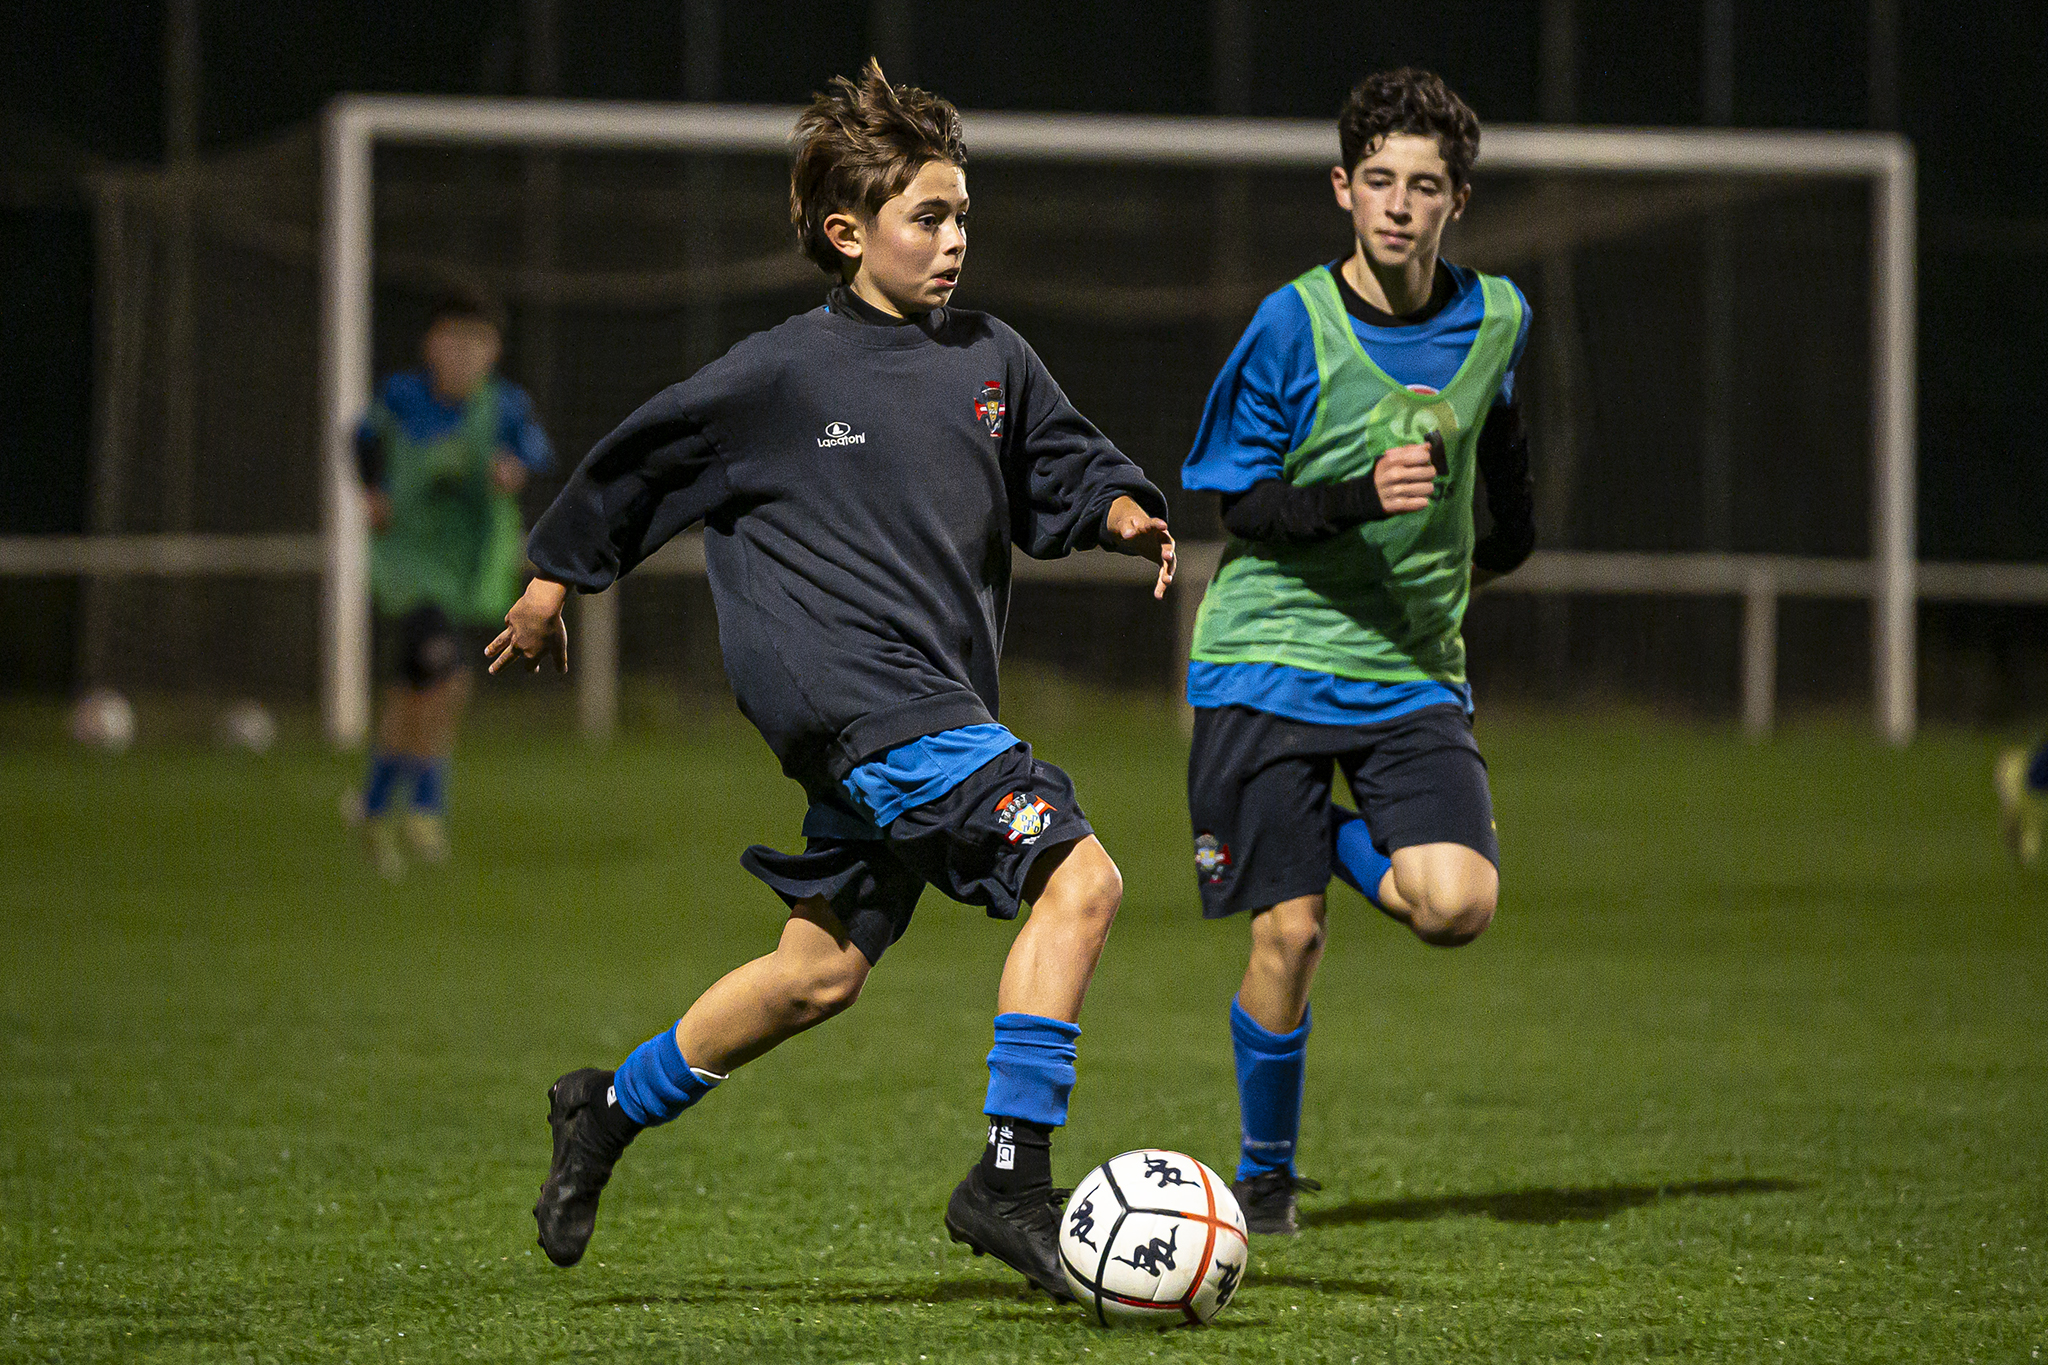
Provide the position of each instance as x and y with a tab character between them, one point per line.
1259	797
424	647
976	844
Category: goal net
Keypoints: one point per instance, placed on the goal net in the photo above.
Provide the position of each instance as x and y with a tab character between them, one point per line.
1720	364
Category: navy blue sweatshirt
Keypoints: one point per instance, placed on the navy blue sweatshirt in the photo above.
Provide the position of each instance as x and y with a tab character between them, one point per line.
860	487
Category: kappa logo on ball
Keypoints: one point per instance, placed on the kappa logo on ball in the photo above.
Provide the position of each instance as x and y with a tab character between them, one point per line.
841	434
1212	859
1023	817
989	407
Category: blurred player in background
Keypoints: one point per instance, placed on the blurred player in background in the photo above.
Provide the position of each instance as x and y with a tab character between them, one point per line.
863	471
2022	780
442	455
1345	433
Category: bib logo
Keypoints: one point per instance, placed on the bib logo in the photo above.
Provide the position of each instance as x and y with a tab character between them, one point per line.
989	407
1399	420
840	434
1023	817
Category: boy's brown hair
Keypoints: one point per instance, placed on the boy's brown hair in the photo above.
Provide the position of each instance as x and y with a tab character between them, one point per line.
857	146
1409	100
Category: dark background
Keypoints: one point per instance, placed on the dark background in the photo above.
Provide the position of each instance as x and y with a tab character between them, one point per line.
85	86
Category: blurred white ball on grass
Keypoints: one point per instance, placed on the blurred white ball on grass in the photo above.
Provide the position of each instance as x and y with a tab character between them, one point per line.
246	725
103	719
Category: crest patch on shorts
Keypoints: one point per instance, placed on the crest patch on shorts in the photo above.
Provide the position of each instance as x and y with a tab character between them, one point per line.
1211	858
1023	817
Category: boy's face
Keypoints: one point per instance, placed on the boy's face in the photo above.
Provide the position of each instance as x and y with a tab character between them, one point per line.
907	258
460	354
1400	199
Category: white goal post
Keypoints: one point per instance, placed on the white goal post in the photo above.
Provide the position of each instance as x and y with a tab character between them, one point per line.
355	124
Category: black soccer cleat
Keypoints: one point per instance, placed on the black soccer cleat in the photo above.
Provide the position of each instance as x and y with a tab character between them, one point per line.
585	1150
1022	1231
1267	1201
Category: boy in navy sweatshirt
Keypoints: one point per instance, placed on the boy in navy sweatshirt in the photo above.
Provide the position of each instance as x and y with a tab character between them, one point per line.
862	471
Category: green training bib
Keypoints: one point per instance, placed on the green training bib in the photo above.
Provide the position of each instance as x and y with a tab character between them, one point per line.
1384	601
454	539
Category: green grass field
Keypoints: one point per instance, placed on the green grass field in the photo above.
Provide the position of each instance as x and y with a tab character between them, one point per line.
1753	1066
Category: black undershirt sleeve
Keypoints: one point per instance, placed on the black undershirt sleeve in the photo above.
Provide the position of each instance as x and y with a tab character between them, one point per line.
1510	492
1280	513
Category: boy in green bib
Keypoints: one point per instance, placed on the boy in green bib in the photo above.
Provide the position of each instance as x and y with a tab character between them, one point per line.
1347	434
442	454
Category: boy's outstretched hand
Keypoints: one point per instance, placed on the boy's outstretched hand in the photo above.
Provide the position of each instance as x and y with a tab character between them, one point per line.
533	629
1129	529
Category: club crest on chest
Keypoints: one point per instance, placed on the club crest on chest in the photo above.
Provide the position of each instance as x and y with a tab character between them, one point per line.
989	406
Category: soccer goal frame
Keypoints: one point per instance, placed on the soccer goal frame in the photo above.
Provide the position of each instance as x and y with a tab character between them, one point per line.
355	124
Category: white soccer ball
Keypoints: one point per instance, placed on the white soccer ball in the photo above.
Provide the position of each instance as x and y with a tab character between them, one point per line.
246	725
1153	1239
103	719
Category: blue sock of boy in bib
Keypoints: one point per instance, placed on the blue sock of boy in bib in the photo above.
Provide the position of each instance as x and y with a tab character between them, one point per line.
1270	1067
1356	862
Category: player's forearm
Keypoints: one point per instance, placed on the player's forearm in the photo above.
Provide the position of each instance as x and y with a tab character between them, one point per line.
1071	479
1503	458
1273	511
653	477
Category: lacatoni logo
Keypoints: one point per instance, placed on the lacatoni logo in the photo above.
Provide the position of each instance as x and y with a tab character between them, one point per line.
840	434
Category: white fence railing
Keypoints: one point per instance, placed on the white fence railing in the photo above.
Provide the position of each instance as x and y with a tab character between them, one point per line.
1759	581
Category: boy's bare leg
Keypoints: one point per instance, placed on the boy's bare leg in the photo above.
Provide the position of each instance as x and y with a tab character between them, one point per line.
813	974
438	714
1287	947
1006	1207
397	726
1074	892
1445	893
420	722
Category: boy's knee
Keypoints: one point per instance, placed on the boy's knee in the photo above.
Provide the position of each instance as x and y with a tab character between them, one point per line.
1104	891
1088	884
1293	933
1454	917
820	992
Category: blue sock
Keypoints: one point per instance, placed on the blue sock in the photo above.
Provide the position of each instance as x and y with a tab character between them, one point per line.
386	772
430	792
1031	1069
654	1083
1358	864
2037	770
1269	1072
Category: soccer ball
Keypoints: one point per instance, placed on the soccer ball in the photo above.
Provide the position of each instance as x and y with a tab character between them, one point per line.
103	719
246	725
1153	1239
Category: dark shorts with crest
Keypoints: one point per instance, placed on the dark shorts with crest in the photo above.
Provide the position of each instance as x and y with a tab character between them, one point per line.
976	844
1259	796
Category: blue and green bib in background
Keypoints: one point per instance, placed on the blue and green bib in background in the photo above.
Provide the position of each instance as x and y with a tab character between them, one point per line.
455	539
